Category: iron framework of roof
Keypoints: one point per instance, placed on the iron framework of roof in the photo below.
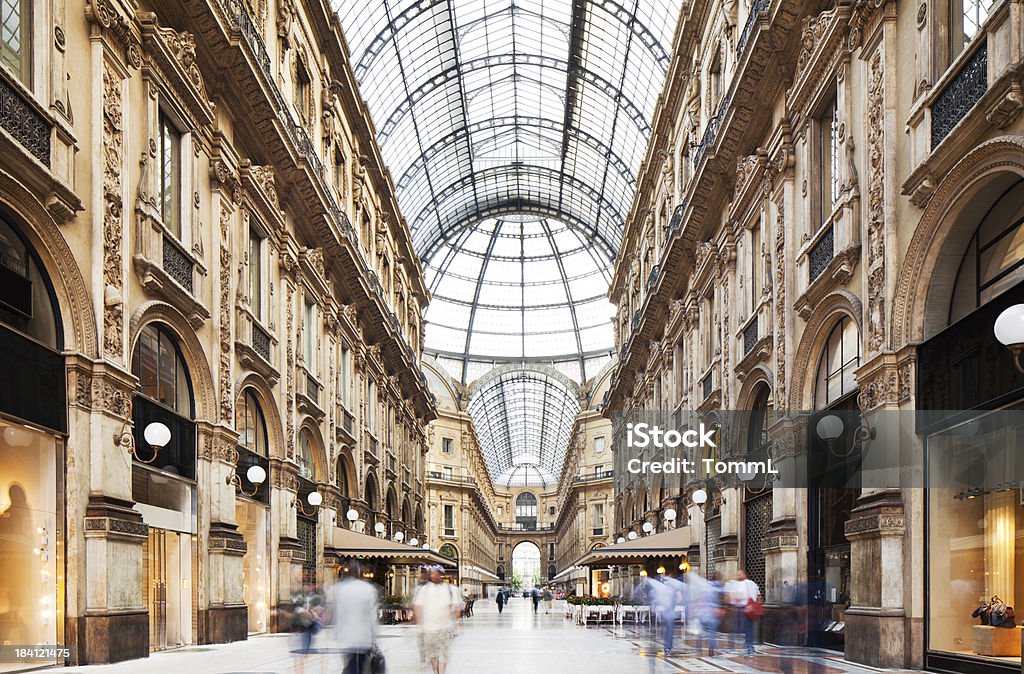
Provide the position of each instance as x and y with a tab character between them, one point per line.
514	130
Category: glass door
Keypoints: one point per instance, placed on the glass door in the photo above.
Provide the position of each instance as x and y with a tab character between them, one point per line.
167	566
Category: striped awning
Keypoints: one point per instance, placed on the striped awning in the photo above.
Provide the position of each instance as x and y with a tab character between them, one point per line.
350	543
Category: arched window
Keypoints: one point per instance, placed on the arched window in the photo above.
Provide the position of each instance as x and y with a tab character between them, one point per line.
342	477
839	363
252	426
760	420
305	455
994	259
26	298
448	550
371	502
160	367
165	396
526	511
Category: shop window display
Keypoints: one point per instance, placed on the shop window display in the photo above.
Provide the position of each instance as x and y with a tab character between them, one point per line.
29	535
976	539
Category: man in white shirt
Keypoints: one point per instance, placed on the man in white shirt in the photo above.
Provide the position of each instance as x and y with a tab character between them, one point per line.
437	607
353	607
741	591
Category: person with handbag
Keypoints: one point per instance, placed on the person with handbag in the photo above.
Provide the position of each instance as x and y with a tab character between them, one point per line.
353	609
437	608
745	599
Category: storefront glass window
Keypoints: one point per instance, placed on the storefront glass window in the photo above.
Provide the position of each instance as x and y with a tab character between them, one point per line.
976	539
29	533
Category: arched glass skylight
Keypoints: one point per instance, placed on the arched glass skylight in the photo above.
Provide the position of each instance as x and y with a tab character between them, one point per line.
486	110
524	419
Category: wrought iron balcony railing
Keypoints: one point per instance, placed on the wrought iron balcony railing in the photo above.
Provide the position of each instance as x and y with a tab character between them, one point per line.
750	336
821	254
960	94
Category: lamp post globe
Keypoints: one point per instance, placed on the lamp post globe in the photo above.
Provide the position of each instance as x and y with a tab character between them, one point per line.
157	434
256	474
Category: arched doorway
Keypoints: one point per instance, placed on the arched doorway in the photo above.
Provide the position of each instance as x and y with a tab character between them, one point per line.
969	402
33	373
451	552
833	475
252	512
163	486
525	565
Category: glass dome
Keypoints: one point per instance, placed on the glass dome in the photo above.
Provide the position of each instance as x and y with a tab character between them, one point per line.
521	288
486	111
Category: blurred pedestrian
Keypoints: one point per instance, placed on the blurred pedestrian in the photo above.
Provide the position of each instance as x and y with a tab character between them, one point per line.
547	599
501	600
437	608
306	620
744	599
535	596
353	611
665	594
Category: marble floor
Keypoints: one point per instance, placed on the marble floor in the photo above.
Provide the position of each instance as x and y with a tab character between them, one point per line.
517	641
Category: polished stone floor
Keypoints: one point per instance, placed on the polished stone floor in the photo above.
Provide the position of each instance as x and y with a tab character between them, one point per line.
514	642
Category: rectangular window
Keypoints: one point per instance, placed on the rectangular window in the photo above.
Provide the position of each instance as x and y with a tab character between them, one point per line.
447	445
966	18
710	330
371	406
169	175
715	84
756	267
343	374
309	336
446	472
15	37
599	443
256	273
551	550
828	157
449	519
598	470
598	515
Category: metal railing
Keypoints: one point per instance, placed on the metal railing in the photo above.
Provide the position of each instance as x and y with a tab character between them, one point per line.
261	342
750	336
960	95
821	254
177	263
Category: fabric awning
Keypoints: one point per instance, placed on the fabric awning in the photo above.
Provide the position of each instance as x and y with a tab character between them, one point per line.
665	544
354	544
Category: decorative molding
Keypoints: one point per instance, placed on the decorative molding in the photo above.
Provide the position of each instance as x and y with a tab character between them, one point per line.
779	392
875	263
226	394
173	53
113	209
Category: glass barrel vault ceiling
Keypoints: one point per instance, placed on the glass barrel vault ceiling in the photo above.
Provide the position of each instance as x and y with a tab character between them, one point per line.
513	130
524	418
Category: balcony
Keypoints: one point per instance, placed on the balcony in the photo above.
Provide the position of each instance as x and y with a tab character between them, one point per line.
256	353
165	268
527	527
820	255
595	477
24	122
960	94
652	280
750	336
308	395
345	429
372	449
